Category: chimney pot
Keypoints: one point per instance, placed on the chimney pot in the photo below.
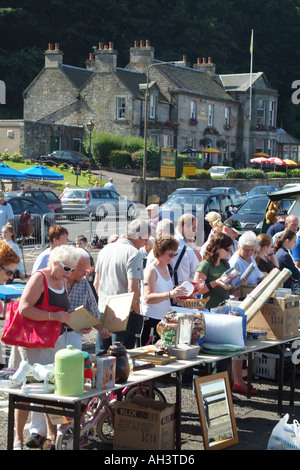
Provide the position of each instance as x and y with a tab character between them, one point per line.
105	46
204	60
147	43
141	43
184	58
198	60
57	46
209	60
111	45
91	56
136	44
100	46
50	46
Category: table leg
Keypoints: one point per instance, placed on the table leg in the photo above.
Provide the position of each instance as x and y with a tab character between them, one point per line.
11	422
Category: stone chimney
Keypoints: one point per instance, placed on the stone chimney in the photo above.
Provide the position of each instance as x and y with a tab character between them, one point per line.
141	56
90	62
53	56
206	65
105	58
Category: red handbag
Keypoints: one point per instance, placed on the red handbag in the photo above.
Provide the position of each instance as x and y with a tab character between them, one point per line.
21	331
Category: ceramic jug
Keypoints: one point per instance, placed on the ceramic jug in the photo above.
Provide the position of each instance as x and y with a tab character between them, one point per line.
122	364
69	372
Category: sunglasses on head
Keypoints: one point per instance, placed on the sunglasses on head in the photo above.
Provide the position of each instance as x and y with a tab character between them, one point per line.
7	271
67	268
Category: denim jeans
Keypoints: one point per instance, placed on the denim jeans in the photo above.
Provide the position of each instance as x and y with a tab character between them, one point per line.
127	338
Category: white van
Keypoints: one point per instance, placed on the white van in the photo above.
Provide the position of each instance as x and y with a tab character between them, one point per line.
220	171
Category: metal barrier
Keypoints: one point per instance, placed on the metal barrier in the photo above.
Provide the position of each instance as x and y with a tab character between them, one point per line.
42	223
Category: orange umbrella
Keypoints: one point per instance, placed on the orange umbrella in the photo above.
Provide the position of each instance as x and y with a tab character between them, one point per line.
290	162
210	150
261	154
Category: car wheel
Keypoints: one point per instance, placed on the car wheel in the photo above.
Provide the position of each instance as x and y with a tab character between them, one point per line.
130	212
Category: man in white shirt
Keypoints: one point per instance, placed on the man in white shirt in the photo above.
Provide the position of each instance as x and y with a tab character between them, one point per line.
110	185
119	269
6	212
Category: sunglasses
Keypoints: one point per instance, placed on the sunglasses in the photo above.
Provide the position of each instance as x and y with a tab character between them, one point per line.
7	271
172	255
67	268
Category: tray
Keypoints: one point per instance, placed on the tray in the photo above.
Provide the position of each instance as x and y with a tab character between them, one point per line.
157	360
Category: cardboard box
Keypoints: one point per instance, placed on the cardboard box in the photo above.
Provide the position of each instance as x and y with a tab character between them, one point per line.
144	424
245	290
279	317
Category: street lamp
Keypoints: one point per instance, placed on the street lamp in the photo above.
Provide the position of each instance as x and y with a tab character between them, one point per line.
90	125
146	126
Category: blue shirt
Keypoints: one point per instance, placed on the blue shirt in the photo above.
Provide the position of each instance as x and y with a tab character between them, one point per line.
285	260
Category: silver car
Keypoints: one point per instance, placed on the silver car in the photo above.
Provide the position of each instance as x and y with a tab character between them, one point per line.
100	202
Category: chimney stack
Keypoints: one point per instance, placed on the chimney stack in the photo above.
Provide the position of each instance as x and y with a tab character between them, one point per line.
207	66
105	58
141	56
53	57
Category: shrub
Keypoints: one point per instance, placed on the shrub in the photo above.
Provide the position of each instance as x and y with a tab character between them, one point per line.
276	174
248	174
103	144
132	144
200	175
5	155
137	157
16	157
294	173
119	159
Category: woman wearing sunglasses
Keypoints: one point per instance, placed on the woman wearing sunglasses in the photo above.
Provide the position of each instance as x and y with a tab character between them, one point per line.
8	262
158	288
211	269
62	262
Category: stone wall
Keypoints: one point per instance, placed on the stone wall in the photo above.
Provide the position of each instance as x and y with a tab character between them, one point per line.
163	188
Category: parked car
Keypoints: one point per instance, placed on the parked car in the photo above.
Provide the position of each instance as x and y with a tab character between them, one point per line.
191	202
288	198
230	190
261	190
220	171
46	196
183	190
252	213
63	157
99	202
38	210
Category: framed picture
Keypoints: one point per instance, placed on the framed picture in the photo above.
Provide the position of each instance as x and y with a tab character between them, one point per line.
116	312
216	411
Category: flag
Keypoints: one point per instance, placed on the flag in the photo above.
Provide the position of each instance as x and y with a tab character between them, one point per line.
251	42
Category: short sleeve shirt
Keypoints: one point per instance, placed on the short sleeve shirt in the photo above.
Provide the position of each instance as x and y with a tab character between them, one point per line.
117	262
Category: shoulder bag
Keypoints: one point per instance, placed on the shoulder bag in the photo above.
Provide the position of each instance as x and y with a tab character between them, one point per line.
21	331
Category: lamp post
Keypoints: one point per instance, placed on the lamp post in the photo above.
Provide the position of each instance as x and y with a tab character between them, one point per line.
146	126
90	125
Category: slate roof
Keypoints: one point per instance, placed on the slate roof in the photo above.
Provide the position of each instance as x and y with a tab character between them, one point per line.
186	79
282	137
78	76
239	82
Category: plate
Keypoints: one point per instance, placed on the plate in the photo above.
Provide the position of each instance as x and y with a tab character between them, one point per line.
189	287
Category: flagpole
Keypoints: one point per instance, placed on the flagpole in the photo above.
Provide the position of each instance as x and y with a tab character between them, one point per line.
251	67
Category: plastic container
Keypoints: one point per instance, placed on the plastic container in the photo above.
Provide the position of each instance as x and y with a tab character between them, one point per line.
69	372
184	352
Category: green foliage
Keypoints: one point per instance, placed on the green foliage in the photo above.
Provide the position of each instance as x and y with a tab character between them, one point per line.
247	174
294	173
103	144
276	174
200	175
119	159
132	144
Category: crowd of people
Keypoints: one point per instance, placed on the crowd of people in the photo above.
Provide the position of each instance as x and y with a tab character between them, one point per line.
151	261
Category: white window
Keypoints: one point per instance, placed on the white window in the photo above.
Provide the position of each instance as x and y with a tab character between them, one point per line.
227	120
152	107
166	141
154	138
210	121
260	112
120	108
272	114
193	110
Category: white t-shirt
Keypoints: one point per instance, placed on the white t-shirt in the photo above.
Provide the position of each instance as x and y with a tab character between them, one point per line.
239	263
116	263
6	213
158	310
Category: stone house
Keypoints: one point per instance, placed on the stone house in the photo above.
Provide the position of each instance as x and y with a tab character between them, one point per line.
189	106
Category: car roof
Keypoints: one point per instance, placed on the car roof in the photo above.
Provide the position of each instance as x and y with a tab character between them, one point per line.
35	201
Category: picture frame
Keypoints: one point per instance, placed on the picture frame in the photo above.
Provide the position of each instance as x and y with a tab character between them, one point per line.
116	312
214	400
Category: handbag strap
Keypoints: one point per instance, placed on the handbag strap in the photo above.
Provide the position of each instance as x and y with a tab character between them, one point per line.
46	292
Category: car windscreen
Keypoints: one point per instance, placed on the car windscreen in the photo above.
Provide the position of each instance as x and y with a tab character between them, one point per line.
254	206
76	194
181	199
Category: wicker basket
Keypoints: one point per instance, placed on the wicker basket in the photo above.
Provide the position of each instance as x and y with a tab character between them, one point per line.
193	303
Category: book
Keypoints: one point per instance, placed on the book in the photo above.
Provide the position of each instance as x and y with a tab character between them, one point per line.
82	319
